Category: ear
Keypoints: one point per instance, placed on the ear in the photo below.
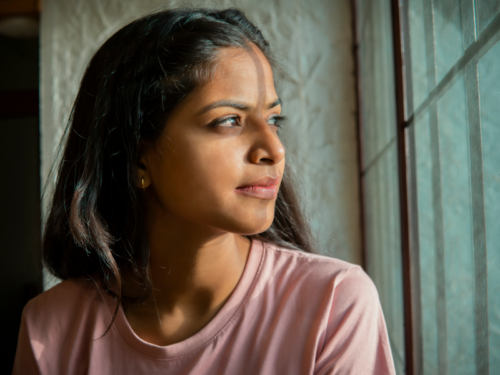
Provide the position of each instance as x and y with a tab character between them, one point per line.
143	171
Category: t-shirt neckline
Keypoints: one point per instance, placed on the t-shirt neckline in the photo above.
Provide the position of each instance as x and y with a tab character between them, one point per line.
213	329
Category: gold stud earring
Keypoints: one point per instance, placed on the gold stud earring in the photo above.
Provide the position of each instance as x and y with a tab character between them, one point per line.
142	181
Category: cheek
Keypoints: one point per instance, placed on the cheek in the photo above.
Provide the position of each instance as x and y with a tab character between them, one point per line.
196	176
197	184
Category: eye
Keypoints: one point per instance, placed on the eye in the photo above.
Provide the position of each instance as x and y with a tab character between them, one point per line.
277	121
227	122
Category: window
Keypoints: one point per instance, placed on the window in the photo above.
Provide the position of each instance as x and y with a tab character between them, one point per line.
429	74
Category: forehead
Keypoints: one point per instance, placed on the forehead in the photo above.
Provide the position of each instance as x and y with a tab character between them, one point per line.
243	74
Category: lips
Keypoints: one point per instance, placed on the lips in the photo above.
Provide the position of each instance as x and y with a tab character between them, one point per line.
262	182
263	188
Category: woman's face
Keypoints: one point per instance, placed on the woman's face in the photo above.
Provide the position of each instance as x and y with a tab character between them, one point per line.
221	138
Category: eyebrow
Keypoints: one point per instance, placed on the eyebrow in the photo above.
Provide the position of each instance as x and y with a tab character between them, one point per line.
227	103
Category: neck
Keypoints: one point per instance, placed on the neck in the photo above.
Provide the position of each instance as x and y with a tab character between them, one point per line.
193	268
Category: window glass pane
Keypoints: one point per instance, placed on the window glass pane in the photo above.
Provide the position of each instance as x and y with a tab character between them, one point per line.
376	55
489	92
448	35
383	243
427	245
436	42
457	224
418	51
486	11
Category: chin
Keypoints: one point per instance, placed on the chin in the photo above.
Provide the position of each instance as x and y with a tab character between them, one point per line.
253	228
247	227
243	220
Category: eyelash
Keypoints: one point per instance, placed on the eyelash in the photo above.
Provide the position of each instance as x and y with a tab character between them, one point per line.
280	120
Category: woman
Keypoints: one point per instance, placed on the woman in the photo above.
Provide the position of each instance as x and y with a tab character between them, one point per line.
176	228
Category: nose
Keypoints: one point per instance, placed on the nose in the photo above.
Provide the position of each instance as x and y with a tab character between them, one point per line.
266	145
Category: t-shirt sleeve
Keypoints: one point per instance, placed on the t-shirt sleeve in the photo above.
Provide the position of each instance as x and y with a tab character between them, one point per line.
25	362
356	340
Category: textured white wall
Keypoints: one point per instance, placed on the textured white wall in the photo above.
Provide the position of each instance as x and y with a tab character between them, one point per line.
312	39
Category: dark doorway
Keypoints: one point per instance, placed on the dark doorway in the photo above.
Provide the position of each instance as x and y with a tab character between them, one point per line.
20	270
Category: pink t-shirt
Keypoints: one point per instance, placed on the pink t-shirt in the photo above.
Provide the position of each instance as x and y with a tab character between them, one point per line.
290	313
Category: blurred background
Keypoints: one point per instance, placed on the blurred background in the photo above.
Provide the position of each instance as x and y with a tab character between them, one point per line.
393	127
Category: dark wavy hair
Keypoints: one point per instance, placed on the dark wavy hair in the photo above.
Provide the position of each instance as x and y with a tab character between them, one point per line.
94	226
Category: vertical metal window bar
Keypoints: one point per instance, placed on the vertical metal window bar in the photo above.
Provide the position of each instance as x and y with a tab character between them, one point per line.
359	128
403	188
